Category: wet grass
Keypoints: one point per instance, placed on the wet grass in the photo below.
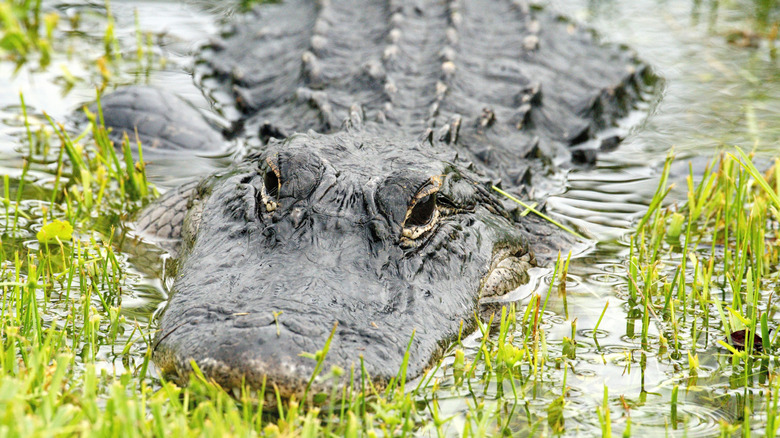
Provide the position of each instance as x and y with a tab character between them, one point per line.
530	208
728	223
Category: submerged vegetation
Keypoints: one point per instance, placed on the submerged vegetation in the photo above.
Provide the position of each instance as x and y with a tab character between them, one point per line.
698	290
760	20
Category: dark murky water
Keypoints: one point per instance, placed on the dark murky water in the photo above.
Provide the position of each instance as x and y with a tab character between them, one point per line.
715	94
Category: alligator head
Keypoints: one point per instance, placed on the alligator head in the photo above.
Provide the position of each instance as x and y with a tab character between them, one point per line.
380	236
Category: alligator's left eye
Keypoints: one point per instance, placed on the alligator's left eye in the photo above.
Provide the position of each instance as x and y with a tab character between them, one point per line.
421	216
269	191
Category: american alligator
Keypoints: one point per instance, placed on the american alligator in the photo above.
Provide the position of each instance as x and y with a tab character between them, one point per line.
378	128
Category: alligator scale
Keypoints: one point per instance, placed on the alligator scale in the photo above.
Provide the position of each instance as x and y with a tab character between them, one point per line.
377	129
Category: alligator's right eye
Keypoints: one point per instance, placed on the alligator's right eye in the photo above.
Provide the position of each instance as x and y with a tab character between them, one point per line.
269	191
423	214
423	211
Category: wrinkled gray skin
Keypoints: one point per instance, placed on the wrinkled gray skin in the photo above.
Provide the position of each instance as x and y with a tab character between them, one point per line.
358	111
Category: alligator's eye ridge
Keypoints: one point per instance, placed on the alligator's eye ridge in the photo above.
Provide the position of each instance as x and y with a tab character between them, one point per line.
423	211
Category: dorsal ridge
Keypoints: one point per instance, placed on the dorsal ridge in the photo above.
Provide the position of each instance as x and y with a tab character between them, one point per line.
355	119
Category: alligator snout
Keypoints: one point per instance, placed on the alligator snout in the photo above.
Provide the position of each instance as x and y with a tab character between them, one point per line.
255	323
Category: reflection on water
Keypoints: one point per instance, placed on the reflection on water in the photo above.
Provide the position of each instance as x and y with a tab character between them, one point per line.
715	94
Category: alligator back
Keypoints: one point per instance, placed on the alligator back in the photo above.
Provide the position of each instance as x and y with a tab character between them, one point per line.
518	82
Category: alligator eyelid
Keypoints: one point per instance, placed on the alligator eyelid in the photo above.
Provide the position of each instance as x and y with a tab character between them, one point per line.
274	167
423	193
432	185
446	203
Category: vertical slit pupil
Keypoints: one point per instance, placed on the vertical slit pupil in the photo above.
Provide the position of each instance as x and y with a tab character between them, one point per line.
422	212
271	182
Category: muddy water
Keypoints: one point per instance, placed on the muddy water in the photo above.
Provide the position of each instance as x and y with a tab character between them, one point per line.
714	94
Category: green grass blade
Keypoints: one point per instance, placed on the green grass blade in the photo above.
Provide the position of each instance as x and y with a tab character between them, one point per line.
540	214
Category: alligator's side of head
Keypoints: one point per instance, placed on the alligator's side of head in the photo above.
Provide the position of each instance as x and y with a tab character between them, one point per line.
377	234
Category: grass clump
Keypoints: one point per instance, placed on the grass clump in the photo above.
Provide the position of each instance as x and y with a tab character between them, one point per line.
62	291
26	31
35	37
705	274
728	221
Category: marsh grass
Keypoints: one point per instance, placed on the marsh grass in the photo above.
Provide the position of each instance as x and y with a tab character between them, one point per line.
35	37
705	273
26	32
530	208
754	20
727	223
